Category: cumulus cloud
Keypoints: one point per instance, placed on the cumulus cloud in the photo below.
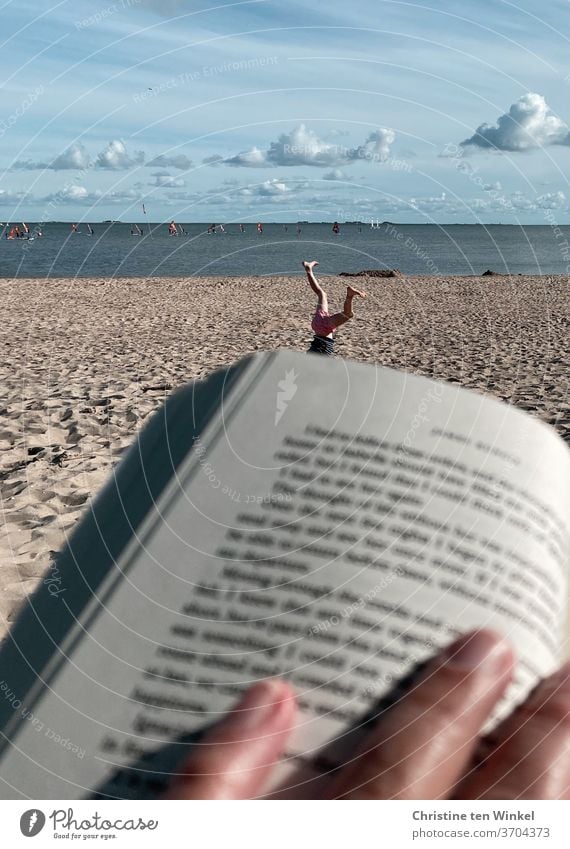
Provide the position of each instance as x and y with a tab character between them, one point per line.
82	196
116	158
74	158
215	159
178	160
431	204
529	124
275	190
269	188
302	146
164	180
335	174
8	197
552	200
376	147
254	158
75	193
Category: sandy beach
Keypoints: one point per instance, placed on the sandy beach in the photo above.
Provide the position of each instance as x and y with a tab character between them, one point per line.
85	362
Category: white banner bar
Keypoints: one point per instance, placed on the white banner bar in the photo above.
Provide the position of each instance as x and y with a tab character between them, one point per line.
281	825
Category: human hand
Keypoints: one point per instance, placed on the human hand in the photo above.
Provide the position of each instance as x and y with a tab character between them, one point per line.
428	746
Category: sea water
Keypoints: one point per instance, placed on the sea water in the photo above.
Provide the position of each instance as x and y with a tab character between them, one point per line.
424	249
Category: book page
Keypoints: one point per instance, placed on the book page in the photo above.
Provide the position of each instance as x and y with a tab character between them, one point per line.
336	523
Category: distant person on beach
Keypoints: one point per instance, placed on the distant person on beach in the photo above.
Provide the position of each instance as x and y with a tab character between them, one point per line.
324	324
336	228
260	228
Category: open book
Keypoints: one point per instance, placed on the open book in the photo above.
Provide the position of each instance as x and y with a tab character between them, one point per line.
293	515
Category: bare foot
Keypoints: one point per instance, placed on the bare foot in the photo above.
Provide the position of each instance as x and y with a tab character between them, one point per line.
308	266
354	293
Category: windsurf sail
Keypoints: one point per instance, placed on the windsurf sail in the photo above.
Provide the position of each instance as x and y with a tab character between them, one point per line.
147	222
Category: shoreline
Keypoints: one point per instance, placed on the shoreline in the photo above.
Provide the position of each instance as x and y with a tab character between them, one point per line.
86	361
376	274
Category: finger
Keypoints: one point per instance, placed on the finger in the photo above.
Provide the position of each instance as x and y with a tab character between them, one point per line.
529	755
235	758
422	746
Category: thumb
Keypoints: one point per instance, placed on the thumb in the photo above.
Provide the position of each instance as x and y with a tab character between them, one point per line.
421	747
234	759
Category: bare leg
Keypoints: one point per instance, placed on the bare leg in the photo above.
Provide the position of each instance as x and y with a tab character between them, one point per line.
315	286
350	294
340	318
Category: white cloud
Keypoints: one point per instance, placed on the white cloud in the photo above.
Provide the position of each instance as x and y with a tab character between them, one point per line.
9	197
551	200
81	196
215	159
116	158
273	187
276	189
163	180
178	160
529	124
334	175
302	146
74	193
74	158
376	147
269	188
431	204
254	158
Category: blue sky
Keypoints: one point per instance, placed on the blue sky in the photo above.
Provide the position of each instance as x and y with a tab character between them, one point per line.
279	110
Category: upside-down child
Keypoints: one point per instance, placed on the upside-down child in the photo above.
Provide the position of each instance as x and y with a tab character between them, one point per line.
324	324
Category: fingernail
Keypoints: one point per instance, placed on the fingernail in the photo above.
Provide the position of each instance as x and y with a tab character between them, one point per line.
479	649
259	704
